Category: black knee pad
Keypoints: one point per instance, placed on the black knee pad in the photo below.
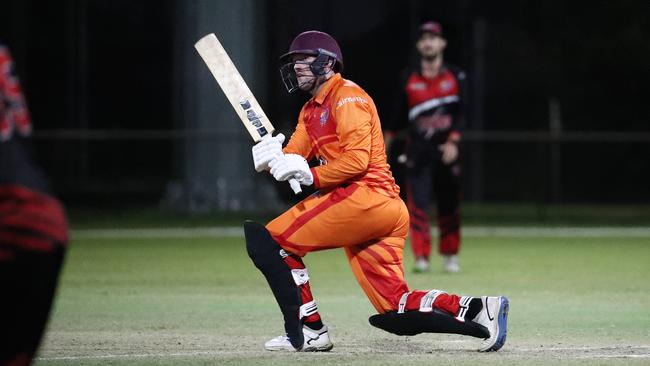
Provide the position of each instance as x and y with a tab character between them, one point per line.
416	322
267	256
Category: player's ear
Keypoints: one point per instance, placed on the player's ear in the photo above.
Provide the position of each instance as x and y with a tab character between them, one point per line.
444	43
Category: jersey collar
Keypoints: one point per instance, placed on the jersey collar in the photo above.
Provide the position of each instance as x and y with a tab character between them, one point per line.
443	69
327	87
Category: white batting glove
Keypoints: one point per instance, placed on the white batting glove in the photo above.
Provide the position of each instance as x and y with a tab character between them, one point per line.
291	166
266	151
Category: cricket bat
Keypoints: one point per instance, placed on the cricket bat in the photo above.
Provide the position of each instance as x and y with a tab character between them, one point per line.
239	95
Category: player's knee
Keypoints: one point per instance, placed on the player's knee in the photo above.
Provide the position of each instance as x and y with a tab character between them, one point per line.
259	242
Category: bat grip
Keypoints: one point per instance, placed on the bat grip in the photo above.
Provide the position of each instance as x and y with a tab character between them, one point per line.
295	186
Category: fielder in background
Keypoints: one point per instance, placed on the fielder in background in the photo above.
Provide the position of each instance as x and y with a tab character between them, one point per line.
430	109
33	230
357	207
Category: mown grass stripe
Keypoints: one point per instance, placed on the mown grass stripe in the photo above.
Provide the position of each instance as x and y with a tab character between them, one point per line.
471	231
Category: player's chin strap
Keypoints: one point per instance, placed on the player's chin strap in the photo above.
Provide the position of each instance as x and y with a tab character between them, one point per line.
427	319
267	256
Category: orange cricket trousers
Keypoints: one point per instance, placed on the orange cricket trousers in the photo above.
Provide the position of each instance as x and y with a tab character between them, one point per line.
371	227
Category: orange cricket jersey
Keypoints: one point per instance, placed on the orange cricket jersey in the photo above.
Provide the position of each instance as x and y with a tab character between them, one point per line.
340	127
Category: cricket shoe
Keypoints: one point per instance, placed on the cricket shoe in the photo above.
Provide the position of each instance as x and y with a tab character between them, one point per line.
494	317
421	265
450	263
315	341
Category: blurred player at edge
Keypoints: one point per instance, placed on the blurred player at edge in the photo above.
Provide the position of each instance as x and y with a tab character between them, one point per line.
430	108
33	230
357	207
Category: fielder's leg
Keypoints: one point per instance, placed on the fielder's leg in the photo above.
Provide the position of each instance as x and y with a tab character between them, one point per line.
448	194
419	180
289	282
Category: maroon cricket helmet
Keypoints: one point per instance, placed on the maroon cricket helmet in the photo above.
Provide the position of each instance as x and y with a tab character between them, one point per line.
314	43
430	27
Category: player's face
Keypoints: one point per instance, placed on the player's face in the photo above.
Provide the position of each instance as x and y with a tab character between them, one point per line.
303	73
431	45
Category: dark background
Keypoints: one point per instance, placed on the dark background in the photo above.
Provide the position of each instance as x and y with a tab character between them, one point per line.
99	77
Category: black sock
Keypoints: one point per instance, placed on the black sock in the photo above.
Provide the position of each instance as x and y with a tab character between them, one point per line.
318	324
475	306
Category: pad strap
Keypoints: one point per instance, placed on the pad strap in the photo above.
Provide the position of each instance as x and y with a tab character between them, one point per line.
402	303
308	309
426	303
463	306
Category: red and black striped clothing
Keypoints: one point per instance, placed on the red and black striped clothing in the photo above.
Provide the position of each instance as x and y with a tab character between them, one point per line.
431	110
31	220
33	230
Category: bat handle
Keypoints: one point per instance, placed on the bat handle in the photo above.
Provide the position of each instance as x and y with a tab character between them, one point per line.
295	186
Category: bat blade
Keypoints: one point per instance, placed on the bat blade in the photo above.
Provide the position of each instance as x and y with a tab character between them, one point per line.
237	92
234	87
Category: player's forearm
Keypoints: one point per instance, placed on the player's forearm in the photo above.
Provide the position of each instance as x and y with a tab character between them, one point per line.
299	143
296	150
349	165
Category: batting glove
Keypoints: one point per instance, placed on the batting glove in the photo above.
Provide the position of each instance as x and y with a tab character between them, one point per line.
292	166
266	151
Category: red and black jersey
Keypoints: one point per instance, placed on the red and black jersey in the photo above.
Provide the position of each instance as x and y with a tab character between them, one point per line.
431	108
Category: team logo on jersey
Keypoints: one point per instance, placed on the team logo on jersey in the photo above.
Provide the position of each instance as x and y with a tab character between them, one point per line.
427	126
418	86
323	116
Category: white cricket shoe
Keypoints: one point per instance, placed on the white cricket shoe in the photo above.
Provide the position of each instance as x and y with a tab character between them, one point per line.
315	341
450	263
421	265
494	317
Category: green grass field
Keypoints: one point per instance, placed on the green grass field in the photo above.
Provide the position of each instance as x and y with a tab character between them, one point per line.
193	297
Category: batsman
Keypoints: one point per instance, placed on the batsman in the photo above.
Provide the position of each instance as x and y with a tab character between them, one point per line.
356	207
